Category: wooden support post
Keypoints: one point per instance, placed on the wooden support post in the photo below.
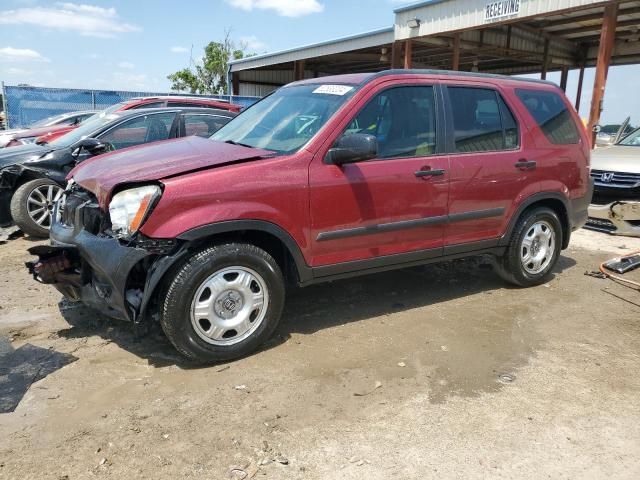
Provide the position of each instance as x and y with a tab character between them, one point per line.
298	70
408	53
396	54
564	75
235	83
545	60
605	50
455	63
508	46
579	92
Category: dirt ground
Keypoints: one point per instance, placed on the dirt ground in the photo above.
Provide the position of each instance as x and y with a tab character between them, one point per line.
440	371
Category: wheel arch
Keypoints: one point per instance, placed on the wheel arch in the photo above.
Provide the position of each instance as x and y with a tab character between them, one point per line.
552	200
270	237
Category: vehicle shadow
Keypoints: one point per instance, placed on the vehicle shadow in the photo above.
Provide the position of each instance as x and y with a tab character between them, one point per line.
317	307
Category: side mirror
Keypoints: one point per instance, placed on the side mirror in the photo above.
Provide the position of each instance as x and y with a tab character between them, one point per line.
92	145
597	129
353	148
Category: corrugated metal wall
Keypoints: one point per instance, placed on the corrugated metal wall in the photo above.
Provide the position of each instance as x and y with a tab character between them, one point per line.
448	16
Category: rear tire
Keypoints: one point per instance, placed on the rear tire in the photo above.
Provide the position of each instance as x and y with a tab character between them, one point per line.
32	204
223	302
533	250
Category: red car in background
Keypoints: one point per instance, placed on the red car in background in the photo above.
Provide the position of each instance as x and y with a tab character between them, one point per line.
138	102
50	125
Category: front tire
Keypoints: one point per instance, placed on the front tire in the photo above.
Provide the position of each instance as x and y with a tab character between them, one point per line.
534	248
32	206
223	302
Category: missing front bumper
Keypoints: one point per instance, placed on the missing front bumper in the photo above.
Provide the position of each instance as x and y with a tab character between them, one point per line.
616	218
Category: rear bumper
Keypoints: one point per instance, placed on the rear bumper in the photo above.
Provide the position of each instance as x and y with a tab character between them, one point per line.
617	218
580	207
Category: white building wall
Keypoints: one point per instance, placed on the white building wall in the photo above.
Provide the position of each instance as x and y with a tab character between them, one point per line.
452	15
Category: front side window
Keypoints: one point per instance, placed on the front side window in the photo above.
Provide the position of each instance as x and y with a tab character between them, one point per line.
551	114
482	122
402	119
143	129
286	120
203	125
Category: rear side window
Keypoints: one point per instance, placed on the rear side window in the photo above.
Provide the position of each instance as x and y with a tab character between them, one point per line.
482	122
551	114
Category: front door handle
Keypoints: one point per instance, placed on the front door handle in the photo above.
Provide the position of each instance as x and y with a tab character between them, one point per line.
428	172
523	164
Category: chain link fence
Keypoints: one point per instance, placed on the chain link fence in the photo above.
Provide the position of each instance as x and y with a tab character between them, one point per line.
24	106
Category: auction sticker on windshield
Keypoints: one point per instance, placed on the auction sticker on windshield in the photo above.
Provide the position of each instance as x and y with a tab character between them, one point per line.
333	89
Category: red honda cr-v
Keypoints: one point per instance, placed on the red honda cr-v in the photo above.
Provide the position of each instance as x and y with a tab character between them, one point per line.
323	179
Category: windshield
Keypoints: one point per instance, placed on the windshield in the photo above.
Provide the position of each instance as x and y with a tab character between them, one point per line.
88	128
286	120
633	139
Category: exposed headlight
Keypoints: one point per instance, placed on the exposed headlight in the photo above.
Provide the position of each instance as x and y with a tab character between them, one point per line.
129	209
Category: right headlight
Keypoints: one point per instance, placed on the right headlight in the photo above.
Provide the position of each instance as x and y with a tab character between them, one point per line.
129	209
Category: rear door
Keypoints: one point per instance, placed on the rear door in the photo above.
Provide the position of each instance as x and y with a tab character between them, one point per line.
392	204
489	169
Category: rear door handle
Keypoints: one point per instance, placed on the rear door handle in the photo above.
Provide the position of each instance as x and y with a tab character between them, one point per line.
523	164
428	172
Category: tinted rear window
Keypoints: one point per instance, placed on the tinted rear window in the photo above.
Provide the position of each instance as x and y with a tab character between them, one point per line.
551	113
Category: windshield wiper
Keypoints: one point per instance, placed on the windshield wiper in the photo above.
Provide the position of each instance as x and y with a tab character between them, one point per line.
231	142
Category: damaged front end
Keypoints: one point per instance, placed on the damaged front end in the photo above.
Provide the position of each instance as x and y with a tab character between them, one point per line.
87	264
618	218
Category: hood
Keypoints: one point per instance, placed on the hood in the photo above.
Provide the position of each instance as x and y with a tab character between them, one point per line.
11	132
38	132
616	158
157	161
22	154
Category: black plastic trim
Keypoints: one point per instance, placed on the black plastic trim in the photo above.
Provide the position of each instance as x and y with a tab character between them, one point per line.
304	271
403	260
407	224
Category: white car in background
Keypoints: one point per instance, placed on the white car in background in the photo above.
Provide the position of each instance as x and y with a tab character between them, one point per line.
615	169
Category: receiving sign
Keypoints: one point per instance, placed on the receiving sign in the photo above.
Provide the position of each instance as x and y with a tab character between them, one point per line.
502	9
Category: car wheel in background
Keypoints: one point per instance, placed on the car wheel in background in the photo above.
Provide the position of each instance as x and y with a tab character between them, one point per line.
223	302
32	206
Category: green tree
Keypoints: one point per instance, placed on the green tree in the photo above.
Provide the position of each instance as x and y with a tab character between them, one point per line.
208	76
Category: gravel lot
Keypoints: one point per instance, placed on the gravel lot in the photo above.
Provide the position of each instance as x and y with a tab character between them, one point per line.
440	371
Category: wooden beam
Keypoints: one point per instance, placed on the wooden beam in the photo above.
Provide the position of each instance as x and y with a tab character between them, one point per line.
545	60
579	92
564	75
408	54
396	54
455	62
607	41
597	26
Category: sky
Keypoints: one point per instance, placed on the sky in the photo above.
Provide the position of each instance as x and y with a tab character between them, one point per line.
135	44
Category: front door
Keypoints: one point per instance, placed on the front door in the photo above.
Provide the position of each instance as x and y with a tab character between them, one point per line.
392	204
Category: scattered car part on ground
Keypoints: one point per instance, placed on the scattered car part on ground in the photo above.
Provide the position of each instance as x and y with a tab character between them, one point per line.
615	170
32	177
623	264
324	179
51	127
